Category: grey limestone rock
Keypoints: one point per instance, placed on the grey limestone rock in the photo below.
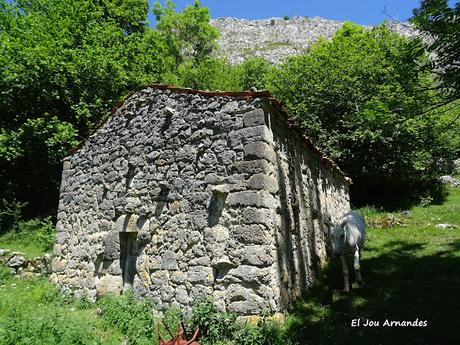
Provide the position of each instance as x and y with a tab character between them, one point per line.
450	180
252	198
259	150
254	118
112	246
275	39
16	261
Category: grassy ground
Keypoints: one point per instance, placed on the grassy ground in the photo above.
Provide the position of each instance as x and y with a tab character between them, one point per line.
30	250
411	270
33	312
33	237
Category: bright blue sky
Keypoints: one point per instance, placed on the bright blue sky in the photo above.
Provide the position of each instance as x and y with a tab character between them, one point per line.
365	12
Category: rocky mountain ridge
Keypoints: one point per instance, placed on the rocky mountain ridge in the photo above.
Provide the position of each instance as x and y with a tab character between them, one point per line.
277	38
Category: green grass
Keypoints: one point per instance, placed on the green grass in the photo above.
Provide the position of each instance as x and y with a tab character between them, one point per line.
33	237
411	270
32	311
30	250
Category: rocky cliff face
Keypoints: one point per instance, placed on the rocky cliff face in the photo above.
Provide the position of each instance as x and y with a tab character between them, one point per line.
277	38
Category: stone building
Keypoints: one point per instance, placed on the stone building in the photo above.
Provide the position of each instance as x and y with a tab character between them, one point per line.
183	193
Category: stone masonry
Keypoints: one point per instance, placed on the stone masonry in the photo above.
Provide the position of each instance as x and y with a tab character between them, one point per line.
184	193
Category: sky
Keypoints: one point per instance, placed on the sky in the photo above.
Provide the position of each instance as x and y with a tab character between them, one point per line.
364	12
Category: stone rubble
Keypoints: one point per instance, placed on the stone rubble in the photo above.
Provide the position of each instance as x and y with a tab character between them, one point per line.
18	263
450	180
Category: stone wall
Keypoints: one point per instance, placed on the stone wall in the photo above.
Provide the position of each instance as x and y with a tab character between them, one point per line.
310	196
181	194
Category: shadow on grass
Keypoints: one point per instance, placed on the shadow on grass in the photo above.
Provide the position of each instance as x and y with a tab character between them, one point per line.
395	196
398	287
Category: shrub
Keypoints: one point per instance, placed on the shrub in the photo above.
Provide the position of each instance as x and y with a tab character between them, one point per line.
249	335
218	327
136	318
214	325
266	332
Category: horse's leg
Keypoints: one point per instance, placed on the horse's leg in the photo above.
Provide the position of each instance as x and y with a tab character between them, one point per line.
346	284
357	266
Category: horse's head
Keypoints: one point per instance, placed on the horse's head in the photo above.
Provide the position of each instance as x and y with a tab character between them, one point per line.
337	239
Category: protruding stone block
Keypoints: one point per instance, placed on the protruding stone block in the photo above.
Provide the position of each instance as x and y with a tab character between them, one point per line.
254	118
260	166
259	150
251	198
248	274
245	301
253	215
255	255
263	182
250	234
250	134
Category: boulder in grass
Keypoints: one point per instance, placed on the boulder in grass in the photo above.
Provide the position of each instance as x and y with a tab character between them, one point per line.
457	166
16	261
450	180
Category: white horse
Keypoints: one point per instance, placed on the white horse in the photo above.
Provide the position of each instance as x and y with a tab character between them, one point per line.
348	237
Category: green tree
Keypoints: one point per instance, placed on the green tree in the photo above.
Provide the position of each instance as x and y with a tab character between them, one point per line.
217	74
208	74
362	98
188	34
63	65
441	24
253	72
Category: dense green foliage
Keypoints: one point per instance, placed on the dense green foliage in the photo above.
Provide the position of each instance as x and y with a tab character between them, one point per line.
363	99
216	74
136	319
188	35
441	23
63	66
223	328
33	312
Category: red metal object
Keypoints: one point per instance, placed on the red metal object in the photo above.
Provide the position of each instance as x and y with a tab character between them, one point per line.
180	338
